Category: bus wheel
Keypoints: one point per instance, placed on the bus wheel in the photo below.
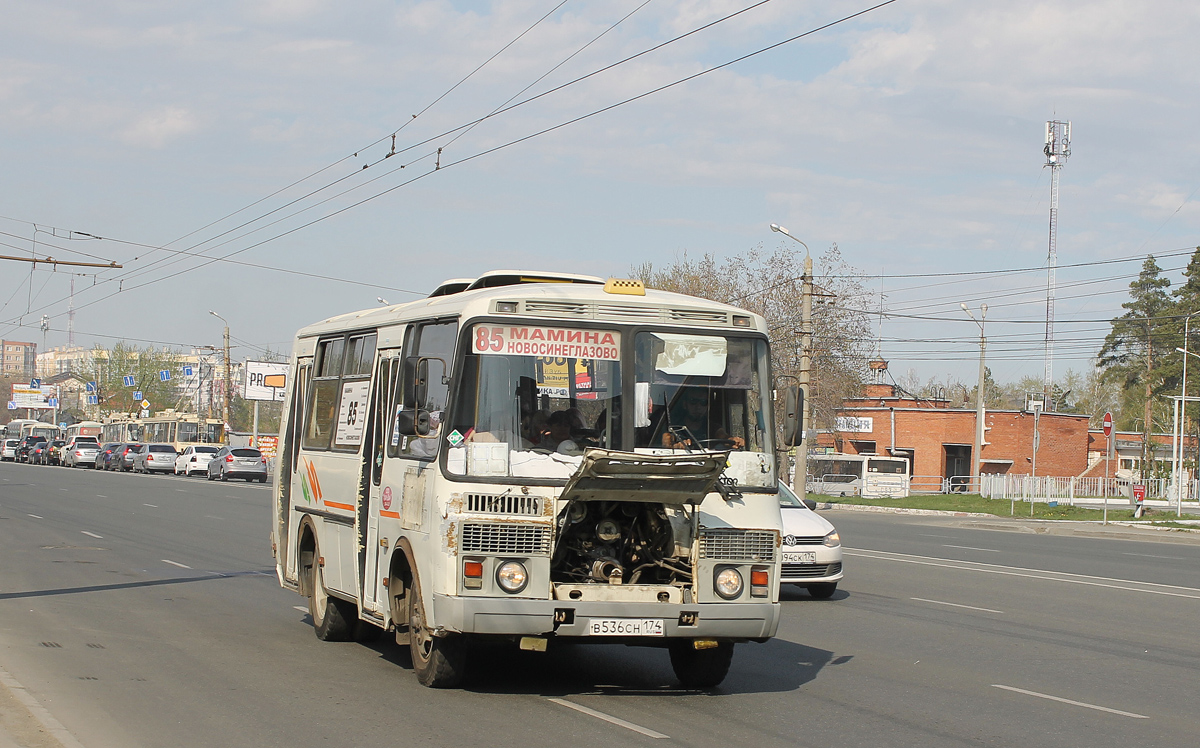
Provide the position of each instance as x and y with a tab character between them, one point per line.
333	619
700	668
438	661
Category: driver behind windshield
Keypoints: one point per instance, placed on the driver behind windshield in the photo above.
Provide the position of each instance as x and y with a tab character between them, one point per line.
689	424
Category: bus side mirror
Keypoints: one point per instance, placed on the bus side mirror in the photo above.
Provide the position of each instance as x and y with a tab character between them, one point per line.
416	382
793	416
413	422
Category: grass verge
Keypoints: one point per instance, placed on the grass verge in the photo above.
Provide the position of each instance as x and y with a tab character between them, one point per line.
969	502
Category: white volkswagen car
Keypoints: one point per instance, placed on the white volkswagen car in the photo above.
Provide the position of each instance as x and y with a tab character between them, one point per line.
812	549
194	460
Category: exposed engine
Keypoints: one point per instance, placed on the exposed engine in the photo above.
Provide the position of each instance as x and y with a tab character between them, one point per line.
611	542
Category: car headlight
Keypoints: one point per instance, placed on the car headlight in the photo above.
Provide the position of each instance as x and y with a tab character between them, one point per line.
512	576
832	540
728	583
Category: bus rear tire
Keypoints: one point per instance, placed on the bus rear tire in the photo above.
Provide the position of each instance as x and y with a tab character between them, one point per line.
333	618
438	661
700	668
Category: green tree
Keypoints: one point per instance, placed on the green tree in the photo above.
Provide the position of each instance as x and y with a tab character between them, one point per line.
143	364
1137	351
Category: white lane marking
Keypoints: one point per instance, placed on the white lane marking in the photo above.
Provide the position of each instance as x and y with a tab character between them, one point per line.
1068	701
1151	555
609	718
101	496
970	548
39	712
36	516
955	605
175	563
62	489
210	516
180	490
1017	571
300	608
92	534
926	535
152	506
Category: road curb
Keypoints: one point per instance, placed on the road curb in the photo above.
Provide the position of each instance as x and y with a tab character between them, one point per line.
899	510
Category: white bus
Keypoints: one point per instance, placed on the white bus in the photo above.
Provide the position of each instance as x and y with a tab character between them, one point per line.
534	456
868	476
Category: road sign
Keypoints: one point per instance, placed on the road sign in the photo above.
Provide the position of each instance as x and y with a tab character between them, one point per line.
52	402
145	414
145	404
12	405
1108	424
35	383
1139	492
265	380
164	375
90	386
29	397
62	424
93	399
128	380
187	371
137	395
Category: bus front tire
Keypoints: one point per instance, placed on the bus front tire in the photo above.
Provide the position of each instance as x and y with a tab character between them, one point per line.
438	661
333	618
700	668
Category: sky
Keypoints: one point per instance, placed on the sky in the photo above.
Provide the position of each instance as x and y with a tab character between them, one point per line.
910	136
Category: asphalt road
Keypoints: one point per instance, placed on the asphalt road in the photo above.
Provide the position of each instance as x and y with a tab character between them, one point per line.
144	611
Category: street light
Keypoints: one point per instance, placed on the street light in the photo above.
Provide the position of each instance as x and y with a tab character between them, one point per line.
382	301
975	468
800	481
228	384
1180	416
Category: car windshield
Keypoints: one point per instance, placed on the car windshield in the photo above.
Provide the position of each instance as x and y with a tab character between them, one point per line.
788	498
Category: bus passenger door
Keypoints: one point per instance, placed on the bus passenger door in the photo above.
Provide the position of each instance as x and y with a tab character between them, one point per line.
379	501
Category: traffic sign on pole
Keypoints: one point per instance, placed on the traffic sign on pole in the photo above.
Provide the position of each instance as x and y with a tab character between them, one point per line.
1108	424
128	380
137	394
164	375
90	386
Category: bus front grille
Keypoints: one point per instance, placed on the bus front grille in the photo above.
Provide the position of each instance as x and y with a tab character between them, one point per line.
505	538
738	545
490	503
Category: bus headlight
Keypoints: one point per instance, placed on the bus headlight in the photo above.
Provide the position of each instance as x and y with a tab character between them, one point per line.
512	576
832	540
728	583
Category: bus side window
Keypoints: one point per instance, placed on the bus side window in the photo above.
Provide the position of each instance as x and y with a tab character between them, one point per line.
322	409
433	340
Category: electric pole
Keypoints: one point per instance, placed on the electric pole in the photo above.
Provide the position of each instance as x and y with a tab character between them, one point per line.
800	481
979	394
228	383
1057	150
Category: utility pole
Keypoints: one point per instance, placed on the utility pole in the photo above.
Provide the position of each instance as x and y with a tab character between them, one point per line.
1057	150
979	394
228	383
800	481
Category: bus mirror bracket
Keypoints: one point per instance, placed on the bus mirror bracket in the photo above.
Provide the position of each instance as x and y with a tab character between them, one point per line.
793	416
416	382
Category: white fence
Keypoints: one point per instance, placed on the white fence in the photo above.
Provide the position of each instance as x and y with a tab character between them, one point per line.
1067	490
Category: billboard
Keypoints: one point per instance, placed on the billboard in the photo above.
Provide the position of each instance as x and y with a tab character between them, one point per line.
265	380
24	396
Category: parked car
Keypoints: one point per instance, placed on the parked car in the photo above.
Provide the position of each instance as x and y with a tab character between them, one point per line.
194	459
36	453
53	453
812	548
80	452
9	451
151	458
105	454
123	458
238	462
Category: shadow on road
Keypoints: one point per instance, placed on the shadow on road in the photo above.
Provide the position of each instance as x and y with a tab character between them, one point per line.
571	668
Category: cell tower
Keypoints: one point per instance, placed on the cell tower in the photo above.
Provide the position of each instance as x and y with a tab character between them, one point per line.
1057	150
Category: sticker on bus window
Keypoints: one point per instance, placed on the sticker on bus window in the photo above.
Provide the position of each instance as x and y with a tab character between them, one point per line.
352	416
552	342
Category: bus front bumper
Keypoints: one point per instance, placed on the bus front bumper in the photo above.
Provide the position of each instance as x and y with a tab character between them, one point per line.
523	616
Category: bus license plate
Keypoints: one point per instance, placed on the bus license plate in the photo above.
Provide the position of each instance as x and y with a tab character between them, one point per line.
800	557
625	627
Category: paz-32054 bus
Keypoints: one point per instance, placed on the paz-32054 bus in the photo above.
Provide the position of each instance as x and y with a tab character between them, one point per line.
534	456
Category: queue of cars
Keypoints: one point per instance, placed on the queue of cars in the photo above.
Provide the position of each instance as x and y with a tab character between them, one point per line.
214	462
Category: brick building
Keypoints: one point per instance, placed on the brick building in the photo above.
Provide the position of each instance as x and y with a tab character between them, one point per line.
938	440
18	359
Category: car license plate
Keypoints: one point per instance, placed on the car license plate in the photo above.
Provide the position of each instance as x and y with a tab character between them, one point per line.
625	627
800	557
